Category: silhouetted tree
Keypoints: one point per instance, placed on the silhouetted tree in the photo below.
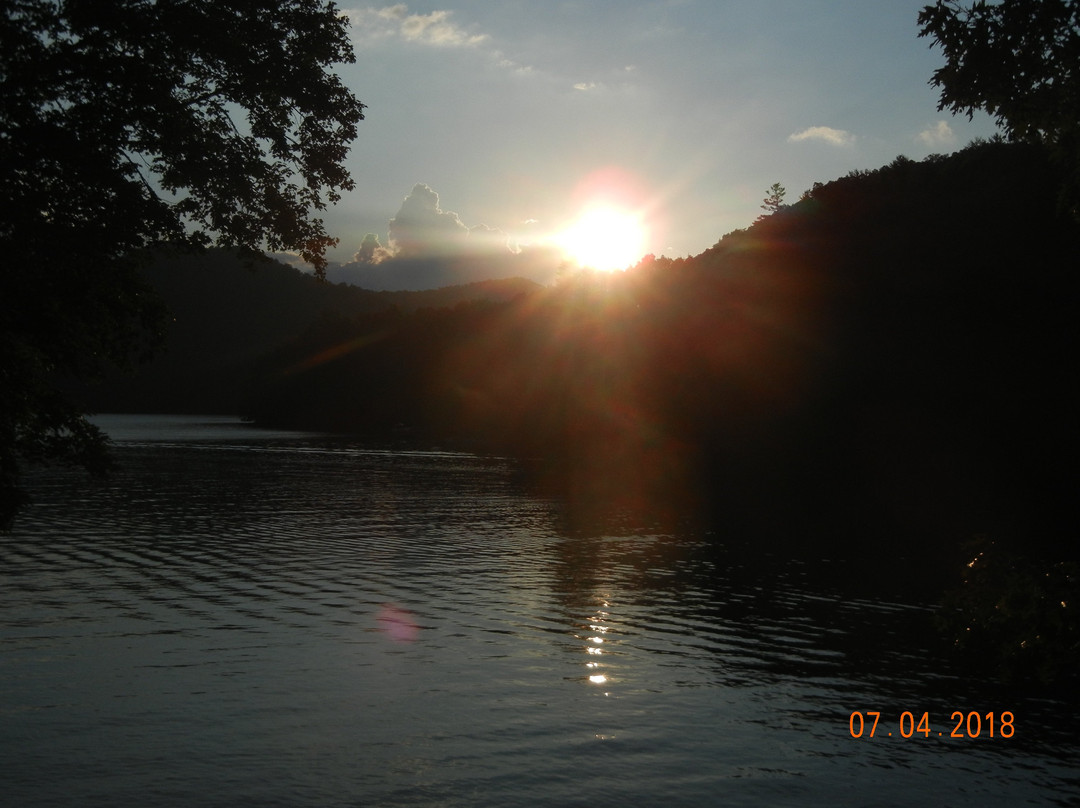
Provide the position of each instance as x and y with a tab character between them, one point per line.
127	123
1018	60
774	201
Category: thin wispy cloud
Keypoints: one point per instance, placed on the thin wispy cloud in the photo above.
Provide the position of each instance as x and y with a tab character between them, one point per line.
835	137
938	135
502	61
616	80
436	29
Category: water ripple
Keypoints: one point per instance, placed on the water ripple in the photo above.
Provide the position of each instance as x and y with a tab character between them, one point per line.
318	623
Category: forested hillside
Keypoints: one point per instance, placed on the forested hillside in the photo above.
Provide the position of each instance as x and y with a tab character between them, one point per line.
889	361
225	312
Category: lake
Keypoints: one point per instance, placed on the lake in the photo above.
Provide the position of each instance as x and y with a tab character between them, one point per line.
243	617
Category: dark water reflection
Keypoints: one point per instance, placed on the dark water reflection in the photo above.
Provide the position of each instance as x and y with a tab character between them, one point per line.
260	619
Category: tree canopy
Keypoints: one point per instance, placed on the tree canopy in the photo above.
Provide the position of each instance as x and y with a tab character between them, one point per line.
1018	60
129	123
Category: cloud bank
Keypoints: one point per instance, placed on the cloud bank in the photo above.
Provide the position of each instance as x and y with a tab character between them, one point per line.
428	247
423	229
371	252
835	137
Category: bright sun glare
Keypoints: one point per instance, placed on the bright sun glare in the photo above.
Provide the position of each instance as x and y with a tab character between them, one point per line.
604	238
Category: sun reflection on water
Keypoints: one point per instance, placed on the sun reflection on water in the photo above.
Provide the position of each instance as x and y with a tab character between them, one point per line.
598	627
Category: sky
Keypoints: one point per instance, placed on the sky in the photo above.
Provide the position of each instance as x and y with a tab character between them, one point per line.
502	122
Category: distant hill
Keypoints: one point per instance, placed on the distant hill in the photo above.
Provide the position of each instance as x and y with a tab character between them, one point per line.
227	312
539	264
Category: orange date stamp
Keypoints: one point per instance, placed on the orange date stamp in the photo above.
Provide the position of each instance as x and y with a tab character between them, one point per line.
972	724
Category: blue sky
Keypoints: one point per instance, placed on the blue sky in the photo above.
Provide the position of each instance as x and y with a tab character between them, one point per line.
515	111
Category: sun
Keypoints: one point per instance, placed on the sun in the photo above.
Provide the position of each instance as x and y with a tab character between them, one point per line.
604	237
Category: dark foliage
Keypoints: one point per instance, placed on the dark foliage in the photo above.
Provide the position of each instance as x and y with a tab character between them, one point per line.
1018	613
774	202
884	367
226	313
1018	60
124	124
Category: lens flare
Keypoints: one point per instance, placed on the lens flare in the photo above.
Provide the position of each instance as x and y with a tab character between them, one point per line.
397	623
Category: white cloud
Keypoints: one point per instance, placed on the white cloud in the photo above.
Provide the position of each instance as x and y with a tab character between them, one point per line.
836	137
422	228
429	247
501	60
435	29
940	134
371	251
585	86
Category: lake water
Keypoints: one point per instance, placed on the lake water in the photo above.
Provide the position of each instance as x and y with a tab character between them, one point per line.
251	618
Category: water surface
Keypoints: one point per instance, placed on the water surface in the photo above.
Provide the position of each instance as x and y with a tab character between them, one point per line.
243	617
